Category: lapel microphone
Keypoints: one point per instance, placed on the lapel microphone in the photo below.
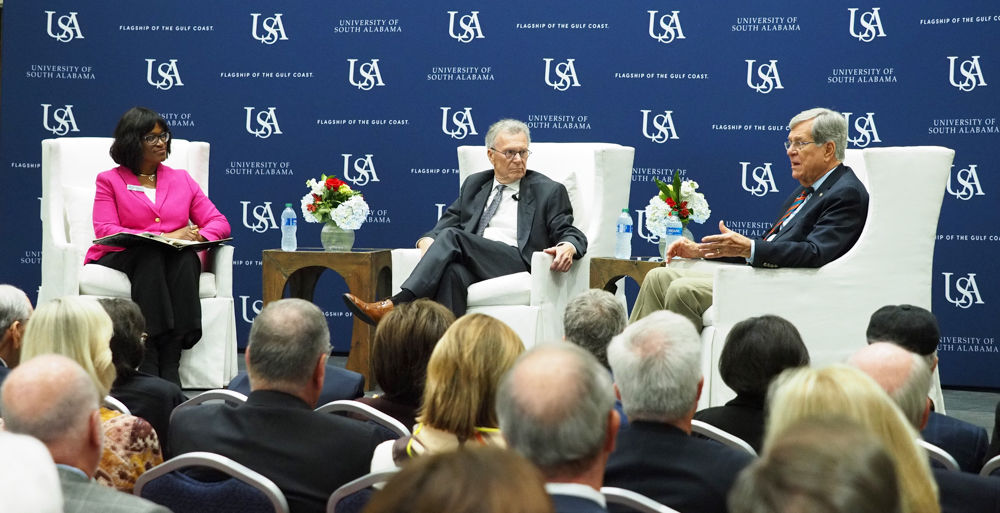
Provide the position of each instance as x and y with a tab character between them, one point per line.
516	197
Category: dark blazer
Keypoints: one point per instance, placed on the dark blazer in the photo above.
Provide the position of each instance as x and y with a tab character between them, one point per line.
339	384
4	371
662	462
966	442
544	213
742	417
151	399
573	504
961	492
308	455
82	495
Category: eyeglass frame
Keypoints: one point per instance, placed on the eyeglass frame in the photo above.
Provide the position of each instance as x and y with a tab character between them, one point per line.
151	139
524	154
798	145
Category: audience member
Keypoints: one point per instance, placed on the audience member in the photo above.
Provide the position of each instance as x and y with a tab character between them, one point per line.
15	309
827	465
403	344
844	391
459	404
29	482
591	320
657	367
904	376
79	329
477	480
53	399
556	407
757	349
146	396
916	330
307	454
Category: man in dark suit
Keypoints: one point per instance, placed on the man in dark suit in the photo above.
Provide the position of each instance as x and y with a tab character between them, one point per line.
657	368
500	218
308	455
15	309
338	385
556	407
817	224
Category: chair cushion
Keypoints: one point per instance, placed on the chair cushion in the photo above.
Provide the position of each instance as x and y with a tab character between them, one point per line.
97	280
180	492
513	289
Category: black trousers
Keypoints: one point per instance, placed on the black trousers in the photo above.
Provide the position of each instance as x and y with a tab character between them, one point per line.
456	260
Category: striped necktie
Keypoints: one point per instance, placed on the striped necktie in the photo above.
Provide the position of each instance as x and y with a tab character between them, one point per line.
795	204
490	210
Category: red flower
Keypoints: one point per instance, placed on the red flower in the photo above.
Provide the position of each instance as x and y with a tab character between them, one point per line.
333	183
684	204
317	198
311	208
670	201
684	213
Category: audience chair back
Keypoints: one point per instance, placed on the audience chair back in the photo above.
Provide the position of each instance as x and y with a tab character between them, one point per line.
726	438
379	418
246	491
991	466
114	404
635	501
228	396
354	496
940	456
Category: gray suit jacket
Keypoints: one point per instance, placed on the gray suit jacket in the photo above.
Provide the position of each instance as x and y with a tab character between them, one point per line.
81	495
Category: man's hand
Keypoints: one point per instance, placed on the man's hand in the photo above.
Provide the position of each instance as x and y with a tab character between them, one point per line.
563	254
684	248
423	244
726	244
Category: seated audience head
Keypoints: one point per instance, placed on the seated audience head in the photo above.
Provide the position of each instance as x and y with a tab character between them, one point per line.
474	480
840	390
403	343
905	376
77	328
464	372
757	350
54	399
657	366
129	335
29	482
592	319
128	149
288	347
908	326
556	407
15	309
827	465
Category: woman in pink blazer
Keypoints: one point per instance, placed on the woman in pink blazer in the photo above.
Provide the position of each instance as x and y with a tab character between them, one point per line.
143	195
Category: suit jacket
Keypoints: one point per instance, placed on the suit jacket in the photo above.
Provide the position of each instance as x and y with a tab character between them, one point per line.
742	417
966	442
544	213
574	504
961	492
667	465
178	199
150	398
339	384
82	495
308	455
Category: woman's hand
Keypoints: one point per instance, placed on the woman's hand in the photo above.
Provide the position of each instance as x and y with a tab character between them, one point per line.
186	233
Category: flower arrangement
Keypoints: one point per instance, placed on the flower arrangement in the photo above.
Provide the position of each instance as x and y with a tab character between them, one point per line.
330	199
678	198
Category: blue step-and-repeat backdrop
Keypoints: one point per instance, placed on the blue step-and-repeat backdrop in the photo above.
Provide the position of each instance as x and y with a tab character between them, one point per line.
381	93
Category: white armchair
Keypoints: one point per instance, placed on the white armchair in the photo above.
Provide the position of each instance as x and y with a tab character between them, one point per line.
598	177
890	264
69	171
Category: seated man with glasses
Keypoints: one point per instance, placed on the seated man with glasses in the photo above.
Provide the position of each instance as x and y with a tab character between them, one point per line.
817	224
500	218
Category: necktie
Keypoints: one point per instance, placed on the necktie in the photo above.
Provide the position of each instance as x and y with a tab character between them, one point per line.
491	209
795	204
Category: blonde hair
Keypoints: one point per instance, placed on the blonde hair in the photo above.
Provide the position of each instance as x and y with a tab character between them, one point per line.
464	372
846	391
77	328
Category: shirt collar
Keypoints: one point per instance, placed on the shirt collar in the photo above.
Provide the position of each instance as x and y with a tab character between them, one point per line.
576	490
513	186
816	185
73	469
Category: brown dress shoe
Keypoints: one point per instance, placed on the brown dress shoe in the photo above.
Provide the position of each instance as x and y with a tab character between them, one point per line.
370	313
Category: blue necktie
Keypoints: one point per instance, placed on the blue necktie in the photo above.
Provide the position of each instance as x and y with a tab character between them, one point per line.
490	210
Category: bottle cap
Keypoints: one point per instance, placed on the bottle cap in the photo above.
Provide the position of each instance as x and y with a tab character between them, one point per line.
288	205
624	210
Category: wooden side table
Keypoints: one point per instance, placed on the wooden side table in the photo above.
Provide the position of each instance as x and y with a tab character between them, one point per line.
604	272
368	273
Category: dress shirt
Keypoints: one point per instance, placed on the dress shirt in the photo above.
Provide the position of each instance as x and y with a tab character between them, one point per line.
503	224
816	185
576	490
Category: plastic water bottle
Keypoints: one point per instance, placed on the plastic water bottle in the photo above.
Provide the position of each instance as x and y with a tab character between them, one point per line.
623	240
289	223
675	230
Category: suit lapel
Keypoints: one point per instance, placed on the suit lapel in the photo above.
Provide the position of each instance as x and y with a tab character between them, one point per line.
814	199
162	185
525	210
479	204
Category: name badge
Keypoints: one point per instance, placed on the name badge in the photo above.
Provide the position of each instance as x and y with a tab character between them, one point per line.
136	188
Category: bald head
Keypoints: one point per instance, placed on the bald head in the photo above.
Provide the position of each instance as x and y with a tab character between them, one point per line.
904	375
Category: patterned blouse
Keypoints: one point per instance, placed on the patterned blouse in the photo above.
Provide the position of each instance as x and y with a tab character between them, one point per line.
130	449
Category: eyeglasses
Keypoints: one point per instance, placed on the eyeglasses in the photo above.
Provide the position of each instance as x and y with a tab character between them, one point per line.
510	153
152	138
798	145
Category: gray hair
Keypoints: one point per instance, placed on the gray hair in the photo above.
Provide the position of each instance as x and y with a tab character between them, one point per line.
911	397
657	365
562	425
285	341
14	306
828	125
506	126
592	319
48	397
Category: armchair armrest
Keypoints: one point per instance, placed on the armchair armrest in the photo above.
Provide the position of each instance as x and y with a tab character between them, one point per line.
404	260
219	260
552	290
60	270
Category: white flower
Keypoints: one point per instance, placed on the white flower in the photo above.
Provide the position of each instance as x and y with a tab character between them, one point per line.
306	214
658	211
351	214
318	188
656	216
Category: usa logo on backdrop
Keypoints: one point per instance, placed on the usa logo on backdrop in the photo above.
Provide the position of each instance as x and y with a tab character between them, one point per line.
64	121
274	30
966	289
664	125
255	307
68	23
969	181
369	72
870	22
468	23
268	121
970	70
566	72
764	180
263	215
641	229
768	74
669	27
169	74
866	130
462	119
363	166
